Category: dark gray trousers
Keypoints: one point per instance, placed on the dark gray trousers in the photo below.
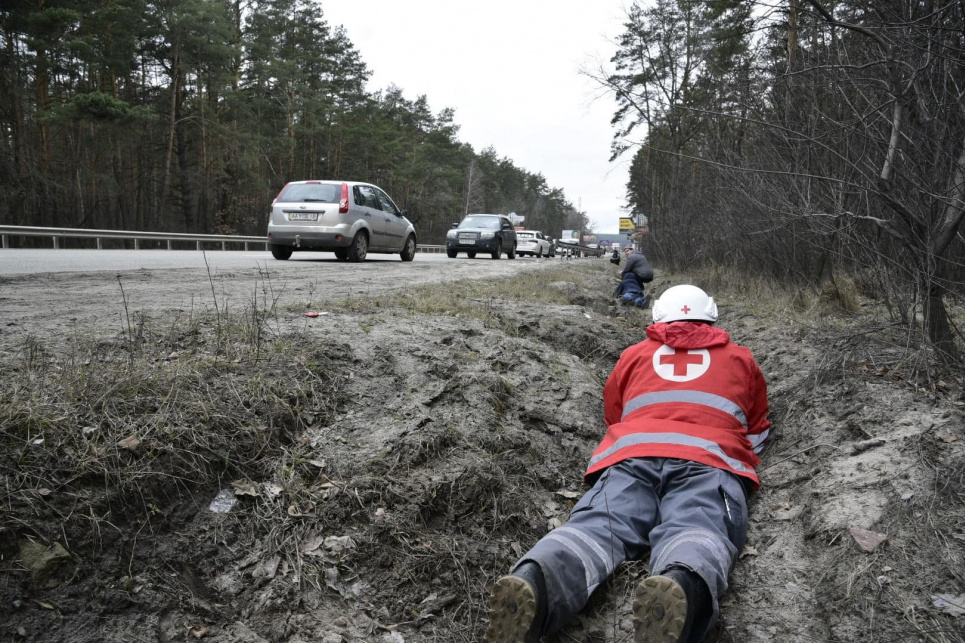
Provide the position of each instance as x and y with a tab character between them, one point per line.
688	514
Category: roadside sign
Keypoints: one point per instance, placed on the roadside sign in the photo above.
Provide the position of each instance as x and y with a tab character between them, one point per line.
626	223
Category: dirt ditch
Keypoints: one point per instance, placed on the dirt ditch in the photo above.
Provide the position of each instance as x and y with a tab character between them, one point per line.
249	474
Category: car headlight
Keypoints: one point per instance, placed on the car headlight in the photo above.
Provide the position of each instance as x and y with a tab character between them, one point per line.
451	234
486	235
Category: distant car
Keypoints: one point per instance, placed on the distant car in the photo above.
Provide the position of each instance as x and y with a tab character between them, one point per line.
348	218
532	242
490	233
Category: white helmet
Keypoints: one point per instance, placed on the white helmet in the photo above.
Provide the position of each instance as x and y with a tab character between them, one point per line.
684	303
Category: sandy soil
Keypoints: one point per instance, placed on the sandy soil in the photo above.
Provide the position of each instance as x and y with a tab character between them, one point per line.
454	442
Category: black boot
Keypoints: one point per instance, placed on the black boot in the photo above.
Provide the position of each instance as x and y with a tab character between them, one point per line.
517	611
671	607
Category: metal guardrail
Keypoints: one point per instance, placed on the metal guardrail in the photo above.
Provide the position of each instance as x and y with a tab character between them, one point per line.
56	234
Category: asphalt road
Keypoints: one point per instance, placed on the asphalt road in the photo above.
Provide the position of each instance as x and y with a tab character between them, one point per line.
23	262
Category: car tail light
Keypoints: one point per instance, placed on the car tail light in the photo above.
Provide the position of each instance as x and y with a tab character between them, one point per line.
343	200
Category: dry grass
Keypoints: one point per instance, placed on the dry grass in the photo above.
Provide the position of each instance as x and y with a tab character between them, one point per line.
157	411
474	297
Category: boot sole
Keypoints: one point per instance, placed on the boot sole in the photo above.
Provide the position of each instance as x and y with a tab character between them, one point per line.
512	610
659	611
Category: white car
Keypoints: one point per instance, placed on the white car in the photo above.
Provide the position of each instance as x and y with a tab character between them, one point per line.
348	218
532	242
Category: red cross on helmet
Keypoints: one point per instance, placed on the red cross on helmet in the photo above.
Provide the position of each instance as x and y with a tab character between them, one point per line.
684	303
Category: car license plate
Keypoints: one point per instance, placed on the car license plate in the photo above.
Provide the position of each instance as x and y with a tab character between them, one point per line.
303	216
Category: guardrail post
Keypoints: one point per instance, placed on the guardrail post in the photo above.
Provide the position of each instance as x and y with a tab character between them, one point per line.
246	246
198	245
223	246
137	244
56	244
99	245
169	244
5	241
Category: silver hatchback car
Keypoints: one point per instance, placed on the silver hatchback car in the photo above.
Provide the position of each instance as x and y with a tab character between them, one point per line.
348	218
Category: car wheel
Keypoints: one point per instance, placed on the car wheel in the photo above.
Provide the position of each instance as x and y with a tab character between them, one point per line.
408	250
498	251
359	247
451	254
512	252
281	253
341	254
471	255
539	253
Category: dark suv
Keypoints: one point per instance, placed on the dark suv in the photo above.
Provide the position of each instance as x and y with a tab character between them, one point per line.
492	233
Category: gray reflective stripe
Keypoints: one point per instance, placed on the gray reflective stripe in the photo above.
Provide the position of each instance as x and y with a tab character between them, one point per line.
709	540
593	545
690	397
589	571
757	441
671	438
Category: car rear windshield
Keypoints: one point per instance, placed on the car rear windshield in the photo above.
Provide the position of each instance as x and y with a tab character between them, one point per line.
486	223
321	192
525	235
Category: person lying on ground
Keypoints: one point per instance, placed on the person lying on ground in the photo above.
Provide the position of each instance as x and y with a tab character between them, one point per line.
686	417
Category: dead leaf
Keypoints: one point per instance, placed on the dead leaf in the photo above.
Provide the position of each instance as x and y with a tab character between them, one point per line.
339	545
272	490
959	537
946	437
244	488
46	606
313	541
331	578
198	631
305	510
866	539
748	550
569	494
130	443
267	568
950	603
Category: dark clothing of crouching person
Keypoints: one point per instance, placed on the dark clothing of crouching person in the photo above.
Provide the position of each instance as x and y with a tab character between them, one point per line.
686	416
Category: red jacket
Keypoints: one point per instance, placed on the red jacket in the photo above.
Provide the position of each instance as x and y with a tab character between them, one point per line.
685	392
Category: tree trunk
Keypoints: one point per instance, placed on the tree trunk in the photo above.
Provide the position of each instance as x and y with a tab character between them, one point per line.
172	125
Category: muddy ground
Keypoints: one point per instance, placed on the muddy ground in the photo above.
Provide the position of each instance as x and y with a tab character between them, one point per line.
181	472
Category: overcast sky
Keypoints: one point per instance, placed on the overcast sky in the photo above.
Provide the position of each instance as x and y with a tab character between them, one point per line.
510	69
